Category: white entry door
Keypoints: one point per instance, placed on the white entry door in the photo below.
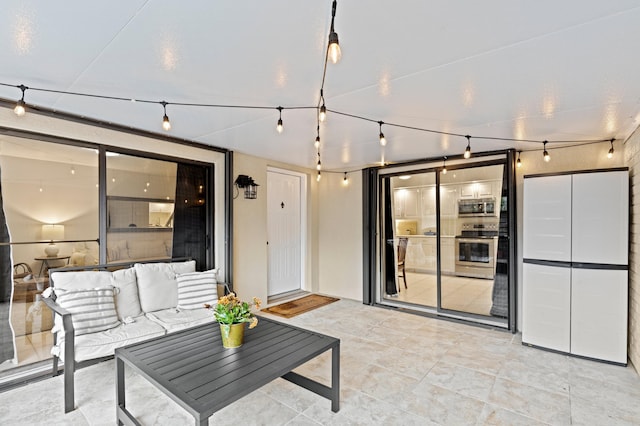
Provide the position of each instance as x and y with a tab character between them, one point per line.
284	231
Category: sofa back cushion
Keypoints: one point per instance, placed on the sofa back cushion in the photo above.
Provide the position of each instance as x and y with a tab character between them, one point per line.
92	309
157	284
127	303
195	289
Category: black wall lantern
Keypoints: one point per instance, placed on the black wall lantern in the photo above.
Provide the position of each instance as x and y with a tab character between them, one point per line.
250	187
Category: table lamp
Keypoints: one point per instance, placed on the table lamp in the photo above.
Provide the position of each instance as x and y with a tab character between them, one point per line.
52	233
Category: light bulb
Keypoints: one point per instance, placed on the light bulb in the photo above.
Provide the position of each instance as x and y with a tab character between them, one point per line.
334	48
323	113
73	171
383	140
518	162
610	153
319	166
279	127
317	142
319	176
444	170
345	180
166	124
20	109
467	152
546	155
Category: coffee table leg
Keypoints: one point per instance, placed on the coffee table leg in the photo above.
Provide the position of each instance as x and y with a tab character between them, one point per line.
335	378
119	388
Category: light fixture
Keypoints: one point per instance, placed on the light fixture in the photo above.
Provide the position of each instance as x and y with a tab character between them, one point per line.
345	180
518	162
467	152
319	165
334	51
166	124
404	177
250	187
545	154
52	232
383	140
279	127
319	176
322	114
611	150
20	108
444	166
317	142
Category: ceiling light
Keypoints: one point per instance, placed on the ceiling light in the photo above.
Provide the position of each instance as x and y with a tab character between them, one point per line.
444	166
383	140
166	124
518	162
279	127
467	152
20	108
545	154
404	177
611	150
334	51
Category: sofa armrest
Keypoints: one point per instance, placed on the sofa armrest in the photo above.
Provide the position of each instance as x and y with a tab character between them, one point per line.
67	326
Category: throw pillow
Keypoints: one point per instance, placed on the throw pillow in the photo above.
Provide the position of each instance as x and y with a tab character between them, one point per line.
92	310
197	288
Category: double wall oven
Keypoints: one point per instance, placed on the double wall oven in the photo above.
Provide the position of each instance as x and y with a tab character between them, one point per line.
476	250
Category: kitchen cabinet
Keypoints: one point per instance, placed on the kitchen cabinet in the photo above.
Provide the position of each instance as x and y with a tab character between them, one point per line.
449	200
421	254
477	190
447	256
406	202
428	201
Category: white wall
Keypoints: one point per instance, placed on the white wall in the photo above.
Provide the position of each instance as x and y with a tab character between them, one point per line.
340	235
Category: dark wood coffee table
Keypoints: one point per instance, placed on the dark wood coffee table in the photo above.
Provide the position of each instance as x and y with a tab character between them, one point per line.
194	369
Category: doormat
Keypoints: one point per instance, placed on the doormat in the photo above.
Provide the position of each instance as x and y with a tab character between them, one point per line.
299	306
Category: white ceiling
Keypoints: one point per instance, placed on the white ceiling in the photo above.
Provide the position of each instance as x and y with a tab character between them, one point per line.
545	70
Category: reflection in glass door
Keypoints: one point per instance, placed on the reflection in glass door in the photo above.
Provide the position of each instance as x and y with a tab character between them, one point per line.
447	236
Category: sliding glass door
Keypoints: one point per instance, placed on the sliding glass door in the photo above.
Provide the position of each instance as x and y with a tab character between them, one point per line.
445	245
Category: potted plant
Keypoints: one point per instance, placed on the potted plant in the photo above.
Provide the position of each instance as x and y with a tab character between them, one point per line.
232	314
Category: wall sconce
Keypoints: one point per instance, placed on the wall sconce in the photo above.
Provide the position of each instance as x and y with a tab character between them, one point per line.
250	187
52	233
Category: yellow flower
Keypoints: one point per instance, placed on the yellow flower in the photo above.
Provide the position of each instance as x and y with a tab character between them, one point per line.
254	322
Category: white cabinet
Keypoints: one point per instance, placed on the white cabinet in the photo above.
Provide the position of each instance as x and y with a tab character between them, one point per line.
428	201
575	272
421	254
406	202
447	256
477	190
546	311
547	218
449	200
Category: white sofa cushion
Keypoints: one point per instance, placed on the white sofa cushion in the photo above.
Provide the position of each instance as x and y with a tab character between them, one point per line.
127	302
157	285
104	343
92	310
178	319
196	289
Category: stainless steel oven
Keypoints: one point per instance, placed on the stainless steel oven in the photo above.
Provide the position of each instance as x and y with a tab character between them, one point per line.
475	253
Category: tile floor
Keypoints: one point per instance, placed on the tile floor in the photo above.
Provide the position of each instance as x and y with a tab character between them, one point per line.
458	293
396	369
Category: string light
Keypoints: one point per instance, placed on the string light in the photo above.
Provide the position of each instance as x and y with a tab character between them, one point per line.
319	176
279	127
611	150
444	166
518	162
345	180
73	170
166	124
383	140
20	108
322	115
545	154
319	165
333	50
467	152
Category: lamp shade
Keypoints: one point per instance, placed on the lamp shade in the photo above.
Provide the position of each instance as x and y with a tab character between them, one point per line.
52	232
